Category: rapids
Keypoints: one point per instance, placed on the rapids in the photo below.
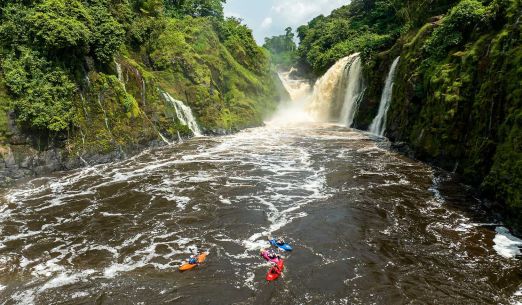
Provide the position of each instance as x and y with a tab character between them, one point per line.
368	226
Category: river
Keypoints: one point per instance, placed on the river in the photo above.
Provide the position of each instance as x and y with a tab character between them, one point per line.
369	226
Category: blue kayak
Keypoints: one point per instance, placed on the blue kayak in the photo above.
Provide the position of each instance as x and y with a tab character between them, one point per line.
285	247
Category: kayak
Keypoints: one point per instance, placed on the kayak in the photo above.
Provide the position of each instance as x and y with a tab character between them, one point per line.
274	272
265	255
187	266
285	247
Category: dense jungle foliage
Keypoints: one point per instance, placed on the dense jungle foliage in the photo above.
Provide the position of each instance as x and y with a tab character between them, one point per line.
60	60
457	95
282	49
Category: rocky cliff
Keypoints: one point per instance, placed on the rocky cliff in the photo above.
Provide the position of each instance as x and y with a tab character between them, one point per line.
94	99
457	94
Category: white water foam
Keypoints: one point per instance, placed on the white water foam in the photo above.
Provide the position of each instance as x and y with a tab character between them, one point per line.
506	244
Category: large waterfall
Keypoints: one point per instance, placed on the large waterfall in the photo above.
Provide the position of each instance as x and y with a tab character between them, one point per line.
378	126
184	114
339	91
335	96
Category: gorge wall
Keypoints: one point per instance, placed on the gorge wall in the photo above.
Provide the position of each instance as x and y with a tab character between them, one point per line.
457	93
91	86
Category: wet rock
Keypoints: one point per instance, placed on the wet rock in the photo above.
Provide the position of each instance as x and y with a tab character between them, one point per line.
403	148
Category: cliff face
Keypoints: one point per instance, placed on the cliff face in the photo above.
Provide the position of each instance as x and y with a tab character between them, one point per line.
64	110
457	94
462	110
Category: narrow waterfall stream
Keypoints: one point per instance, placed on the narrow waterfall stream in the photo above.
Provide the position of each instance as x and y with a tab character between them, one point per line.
120	73
184	114
354	91
378	126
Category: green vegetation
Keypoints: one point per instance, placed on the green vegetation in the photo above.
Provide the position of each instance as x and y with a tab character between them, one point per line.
459	23
222	74
457	95
59	61
362	26
282	49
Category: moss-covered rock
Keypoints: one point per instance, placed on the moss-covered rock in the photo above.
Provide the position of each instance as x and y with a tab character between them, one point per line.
214	66
458	104
457	92
215	74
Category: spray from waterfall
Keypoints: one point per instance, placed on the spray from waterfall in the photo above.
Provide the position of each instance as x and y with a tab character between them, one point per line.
335	96
293	112
378	126
184	114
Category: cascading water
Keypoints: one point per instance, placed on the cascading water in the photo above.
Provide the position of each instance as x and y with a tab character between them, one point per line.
120	73
325	89
335	96
354	91
378	126
298	89
184	114
104	114
294	111
342	83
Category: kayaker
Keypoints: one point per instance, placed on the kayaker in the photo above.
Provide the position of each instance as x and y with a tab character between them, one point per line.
193	260
280	241
275	270
272	254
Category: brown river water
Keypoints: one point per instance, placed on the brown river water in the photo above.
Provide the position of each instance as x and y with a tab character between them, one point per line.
368	226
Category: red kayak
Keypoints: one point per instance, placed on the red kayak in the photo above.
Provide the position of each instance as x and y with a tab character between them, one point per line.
275	271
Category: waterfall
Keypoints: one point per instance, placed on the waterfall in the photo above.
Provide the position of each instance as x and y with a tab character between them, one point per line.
87	80
184	114
378	126
120	73
342	83
354	92
104	114
335	96
298	89
294	111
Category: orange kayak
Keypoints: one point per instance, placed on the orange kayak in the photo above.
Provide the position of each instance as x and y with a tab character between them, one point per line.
186	266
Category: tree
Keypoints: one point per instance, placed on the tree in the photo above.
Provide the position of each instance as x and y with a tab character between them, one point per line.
196	8
60	24
282	48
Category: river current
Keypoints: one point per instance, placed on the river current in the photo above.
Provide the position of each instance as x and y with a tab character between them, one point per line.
368	226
